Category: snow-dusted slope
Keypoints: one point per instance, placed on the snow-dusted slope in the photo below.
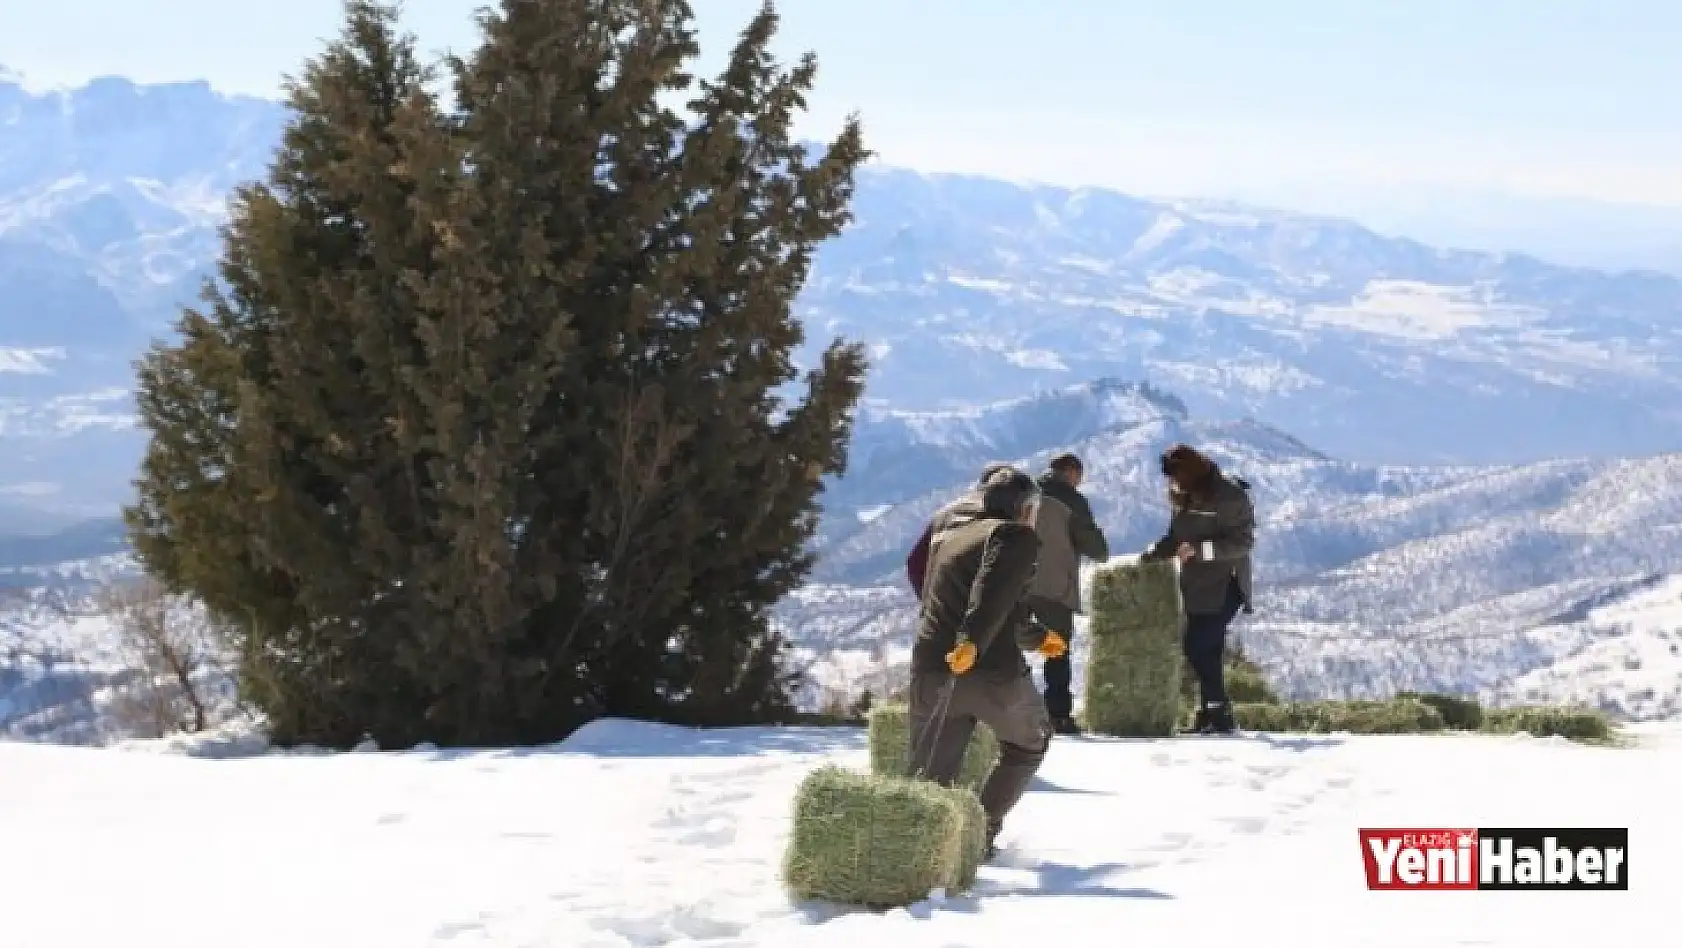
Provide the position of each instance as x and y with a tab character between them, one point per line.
896	455
1370	579
629	835
1631	659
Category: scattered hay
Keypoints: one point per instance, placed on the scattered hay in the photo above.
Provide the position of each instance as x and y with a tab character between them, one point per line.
1134	668
881	842
1459	714
1578	724
1397	716
890	746
1414	713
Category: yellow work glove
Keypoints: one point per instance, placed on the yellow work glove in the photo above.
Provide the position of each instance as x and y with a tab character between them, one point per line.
1054	645
962	658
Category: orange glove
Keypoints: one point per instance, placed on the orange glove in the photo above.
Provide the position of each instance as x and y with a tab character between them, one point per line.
962	658
1054	645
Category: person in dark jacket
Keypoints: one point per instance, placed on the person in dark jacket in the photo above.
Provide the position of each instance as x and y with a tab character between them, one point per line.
1212	533
1067	532
966	662
967	505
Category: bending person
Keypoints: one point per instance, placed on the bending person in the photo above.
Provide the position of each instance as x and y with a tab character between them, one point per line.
967	664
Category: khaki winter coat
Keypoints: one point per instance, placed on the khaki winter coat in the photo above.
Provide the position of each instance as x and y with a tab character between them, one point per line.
975	590
1067	532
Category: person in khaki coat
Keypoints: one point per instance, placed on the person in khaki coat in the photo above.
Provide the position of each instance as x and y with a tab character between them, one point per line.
1212	532
1067	532
966	662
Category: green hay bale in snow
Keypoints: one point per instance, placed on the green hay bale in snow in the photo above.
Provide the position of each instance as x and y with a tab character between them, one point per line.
890	746
1578	724
972	820
1459	714
881	842
1134	667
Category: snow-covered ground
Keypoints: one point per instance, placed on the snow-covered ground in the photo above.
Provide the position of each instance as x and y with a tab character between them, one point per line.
1634	661
637	835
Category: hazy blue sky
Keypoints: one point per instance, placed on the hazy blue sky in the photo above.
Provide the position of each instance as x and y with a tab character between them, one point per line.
1218	97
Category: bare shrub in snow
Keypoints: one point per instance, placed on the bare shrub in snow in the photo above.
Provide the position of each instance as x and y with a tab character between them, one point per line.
174	651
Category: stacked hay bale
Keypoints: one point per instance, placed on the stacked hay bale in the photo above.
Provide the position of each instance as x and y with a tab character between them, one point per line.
881	842
890	744
1133	670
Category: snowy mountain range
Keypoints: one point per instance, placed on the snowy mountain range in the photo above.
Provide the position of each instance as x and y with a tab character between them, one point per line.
968	291
1425	539
973	289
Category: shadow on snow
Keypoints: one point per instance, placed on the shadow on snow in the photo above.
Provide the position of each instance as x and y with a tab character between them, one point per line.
622	739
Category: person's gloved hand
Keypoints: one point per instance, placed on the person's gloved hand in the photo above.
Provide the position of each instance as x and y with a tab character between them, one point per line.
962	658
1054	646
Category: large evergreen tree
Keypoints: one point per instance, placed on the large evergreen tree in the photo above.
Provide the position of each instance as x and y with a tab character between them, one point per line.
486	432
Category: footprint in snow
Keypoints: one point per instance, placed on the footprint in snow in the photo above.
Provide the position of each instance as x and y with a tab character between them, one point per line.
715	832
1246	825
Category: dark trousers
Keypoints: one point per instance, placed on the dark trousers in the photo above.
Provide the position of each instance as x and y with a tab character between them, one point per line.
1205	648
944	711
1059	673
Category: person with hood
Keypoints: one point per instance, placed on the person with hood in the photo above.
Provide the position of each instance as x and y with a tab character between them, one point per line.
967	663
1211	532
1067	532
967	505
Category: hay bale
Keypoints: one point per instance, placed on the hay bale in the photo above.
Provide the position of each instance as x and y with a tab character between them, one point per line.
881	842
1459	714
1578	724
890	746
1134	667
972	848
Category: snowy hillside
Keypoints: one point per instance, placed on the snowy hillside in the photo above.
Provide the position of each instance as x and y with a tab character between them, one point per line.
1633	657
896	455
632	835
1370	579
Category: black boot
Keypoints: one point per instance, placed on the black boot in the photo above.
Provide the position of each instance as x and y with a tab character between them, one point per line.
992	842
1065	725
1199	723
1219	718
